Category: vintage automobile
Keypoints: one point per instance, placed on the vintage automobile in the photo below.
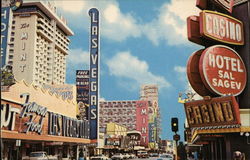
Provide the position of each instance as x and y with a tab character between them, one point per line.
118	156
41	155
142	154
165	157
99	157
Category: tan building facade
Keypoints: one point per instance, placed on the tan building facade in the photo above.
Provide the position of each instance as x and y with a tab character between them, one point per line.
38	44
34	119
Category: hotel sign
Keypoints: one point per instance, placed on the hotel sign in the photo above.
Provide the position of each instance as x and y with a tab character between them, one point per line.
5	23
218	111
222	70
221	27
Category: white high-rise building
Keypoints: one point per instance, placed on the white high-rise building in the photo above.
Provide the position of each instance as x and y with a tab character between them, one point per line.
38	44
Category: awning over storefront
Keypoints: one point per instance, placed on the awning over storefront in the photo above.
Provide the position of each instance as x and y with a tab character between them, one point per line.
198	134
23	136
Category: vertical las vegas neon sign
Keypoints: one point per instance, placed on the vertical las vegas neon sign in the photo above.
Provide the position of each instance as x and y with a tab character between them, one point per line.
94	72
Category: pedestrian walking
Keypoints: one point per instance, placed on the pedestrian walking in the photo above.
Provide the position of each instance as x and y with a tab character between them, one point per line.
237	155
81	155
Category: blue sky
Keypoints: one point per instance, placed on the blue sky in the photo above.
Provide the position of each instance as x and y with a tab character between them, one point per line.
141	42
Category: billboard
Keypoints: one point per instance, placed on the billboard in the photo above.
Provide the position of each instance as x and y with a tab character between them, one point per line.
94	72
5	23
82	92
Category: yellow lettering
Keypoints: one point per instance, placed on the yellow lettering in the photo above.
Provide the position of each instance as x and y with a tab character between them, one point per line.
205	114
211	113
227	109
189	115
197	115
218	112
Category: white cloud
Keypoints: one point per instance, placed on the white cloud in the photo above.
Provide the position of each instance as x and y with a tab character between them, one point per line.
78	57
124	65
116	25
72	6
169	26
180	69
181	72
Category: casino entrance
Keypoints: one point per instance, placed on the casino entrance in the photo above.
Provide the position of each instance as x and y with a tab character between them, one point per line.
220	146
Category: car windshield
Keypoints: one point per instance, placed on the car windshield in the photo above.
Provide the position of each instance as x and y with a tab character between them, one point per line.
166	156
36	154
96	158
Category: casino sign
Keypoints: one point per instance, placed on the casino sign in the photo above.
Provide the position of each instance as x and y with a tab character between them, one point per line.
216	112
221	27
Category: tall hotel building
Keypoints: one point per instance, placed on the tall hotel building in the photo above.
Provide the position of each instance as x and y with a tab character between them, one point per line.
38	44
140	115
149	93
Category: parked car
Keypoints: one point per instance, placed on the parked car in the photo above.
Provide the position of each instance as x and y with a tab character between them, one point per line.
132	156
165	157
153	154
126	156
142	154
41	155
117	156
99	157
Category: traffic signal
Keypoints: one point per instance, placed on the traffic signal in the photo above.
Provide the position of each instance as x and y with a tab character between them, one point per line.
174	124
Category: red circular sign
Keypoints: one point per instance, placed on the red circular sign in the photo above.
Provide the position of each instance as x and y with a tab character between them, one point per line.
222	70
193	74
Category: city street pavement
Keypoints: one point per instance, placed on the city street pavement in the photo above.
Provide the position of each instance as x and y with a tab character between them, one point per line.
150	158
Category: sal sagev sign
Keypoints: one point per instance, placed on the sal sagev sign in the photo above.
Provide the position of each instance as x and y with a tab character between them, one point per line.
221	27
222	70
214	112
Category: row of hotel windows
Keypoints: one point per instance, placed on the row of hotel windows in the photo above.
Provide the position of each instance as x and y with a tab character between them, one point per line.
120	102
